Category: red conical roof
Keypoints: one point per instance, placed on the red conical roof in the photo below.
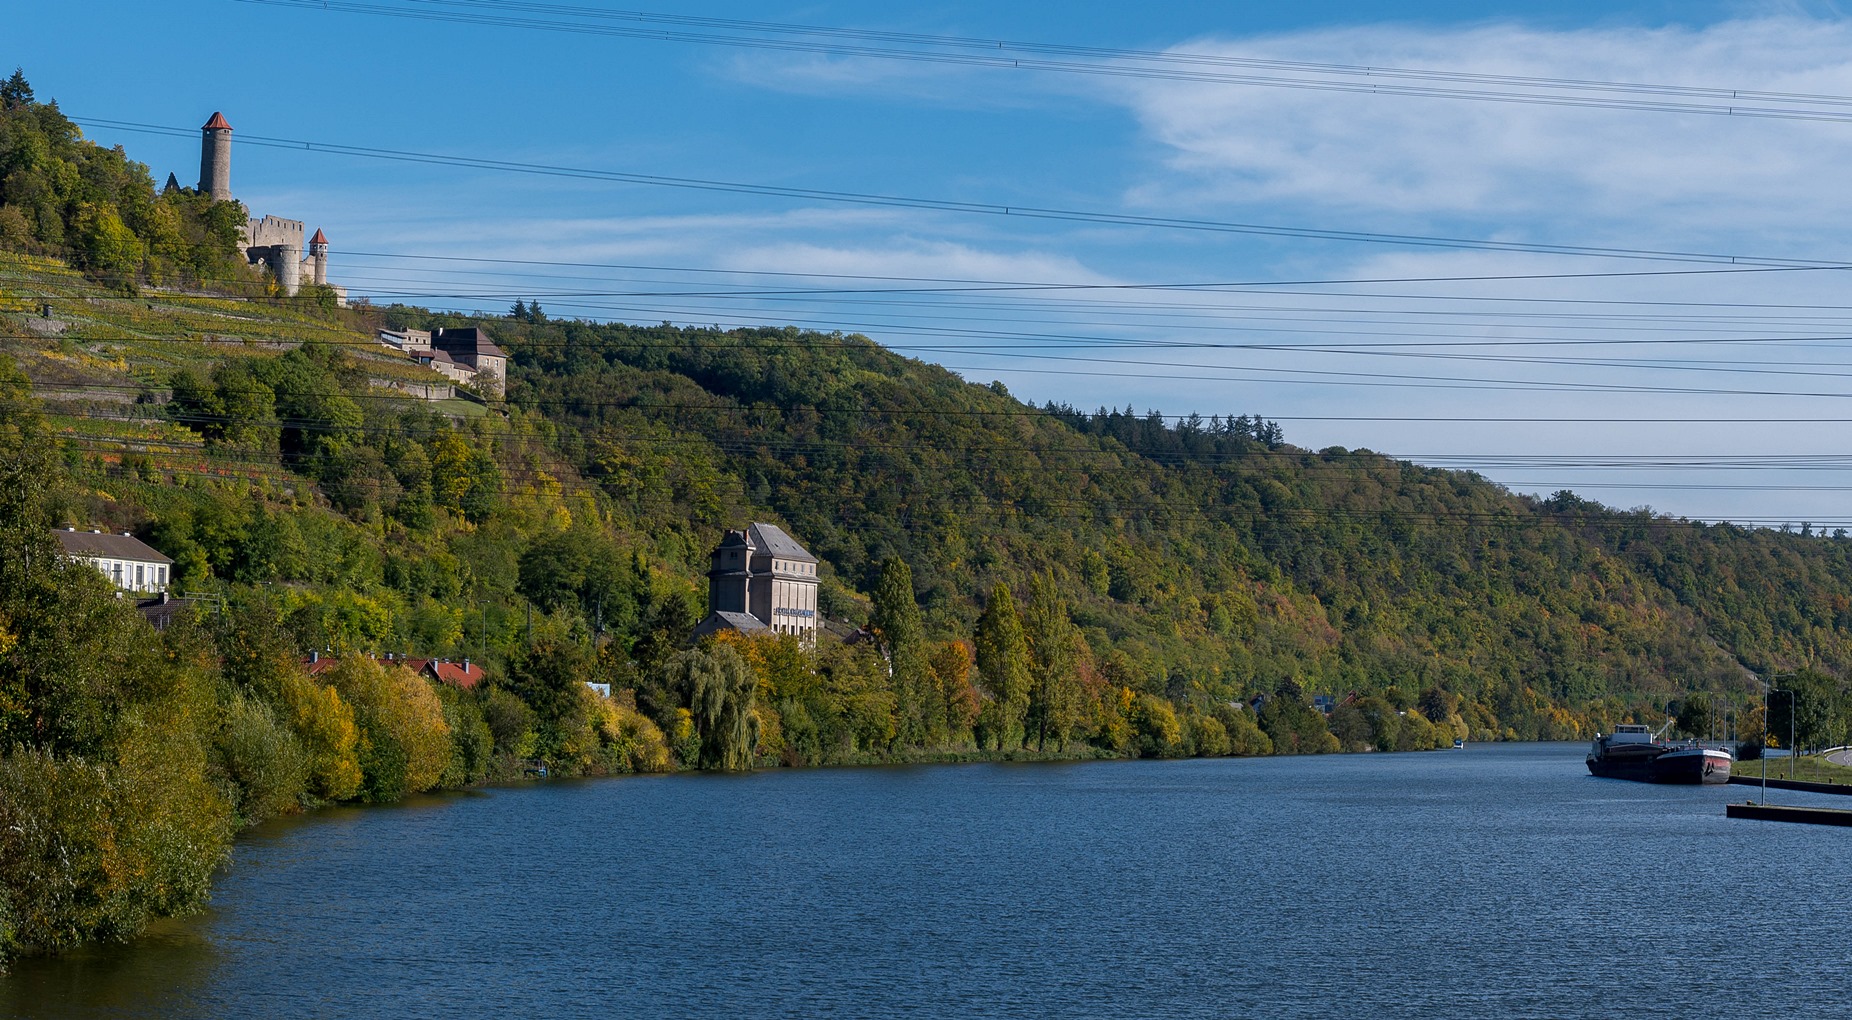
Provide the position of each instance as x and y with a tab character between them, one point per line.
318	238
217	123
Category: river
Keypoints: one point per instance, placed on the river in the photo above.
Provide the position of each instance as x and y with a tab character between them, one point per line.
1497	881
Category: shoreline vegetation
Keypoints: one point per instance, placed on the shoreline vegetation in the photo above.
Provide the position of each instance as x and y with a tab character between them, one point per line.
1002	578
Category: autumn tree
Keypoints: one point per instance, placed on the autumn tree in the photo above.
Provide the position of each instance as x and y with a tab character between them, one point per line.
958	700
404	744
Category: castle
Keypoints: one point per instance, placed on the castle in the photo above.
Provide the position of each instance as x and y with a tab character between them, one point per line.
272	240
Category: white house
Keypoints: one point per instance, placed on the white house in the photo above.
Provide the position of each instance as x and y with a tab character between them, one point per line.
128	562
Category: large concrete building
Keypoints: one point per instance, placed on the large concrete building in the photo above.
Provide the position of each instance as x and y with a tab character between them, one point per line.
761	581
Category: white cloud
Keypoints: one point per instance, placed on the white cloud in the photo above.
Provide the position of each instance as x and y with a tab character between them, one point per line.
1428	158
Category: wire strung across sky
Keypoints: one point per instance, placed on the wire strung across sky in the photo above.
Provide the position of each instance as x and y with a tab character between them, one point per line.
984	208
1116	62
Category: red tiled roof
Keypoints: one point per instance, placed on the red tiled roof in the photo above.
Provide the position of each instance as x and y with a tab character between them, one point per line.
217	123
318	238
456	674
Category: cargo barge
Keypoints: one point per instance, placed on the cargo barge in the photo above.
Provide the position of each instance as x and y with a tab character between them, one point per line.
1633	752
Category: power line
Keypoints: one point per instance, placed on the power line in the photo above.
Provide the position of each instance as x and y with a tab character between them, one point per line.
759	443
1118	62
958	285
981	208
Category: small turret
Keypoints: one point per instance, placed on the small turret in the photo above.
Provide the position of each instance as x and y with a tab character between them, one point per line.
318	258
215	158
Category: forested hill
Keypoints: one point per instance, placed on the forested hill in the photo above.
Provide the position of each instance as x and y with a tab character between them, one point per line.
1199	558
1035	581
1211	556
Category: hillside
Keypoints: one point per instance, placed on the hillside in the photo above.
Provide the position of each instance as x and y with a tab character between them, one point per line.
1033	581
1210	559
1199	558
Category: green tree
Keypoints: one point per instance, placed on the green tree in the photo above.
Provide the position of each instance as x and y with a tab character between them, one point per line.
717	688
15	92
1695	715
1056	704
902	640
1293	725
1003	668
104	243
1816	713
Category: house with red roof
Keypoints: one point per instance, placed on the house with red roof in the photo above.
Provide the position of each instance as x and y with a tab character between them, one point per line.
464	675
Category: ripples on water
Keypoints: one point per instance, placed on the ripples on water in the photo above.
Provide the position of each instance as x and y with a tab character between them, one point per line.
1498	881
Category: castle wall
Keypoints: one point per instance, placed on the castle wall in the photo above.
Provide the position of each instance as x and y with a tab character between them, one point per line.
274	230
277	243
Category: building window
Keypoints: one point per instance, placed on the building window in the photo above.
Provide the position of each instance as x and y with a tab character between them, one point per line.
138	575
163	581
118	575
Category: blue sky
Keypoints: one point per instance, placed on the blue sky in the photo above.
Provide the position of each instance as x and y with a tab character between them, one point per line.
1683	423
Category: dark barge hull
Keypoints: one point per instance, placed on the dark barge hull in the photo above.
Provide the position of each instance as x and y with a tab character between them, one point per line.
1679	767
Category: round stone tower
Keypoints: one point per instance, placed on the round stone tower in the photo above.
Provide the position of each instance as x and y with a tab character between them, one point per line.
215	159
318	258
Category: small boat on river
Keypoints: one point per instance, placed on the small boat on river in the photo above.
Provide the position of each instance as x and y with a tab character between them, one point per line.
1633	752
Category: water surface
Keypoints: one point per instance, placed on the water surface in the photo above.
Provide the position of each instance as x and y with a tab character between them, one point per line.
1497	881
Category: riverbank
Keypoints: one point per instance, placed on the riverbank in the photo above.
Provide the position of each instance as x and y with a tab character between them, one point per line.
1806	772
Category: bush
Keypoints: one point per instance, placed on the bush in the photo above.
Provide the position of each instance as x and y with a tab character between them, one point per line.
89	851
266	766
1159	733
1245	737
510	722
630	741
1208	737
472	744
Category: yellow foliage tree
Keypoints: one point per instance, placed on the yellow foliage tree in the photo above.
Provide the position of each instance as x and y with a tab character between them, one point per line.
325	725
404	741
